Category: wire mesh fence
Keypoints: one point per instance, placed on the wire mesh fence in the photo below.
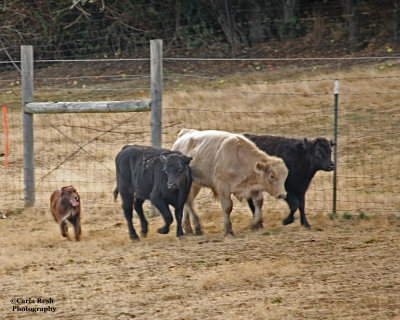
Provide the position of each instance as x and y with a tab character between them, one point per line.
368	163
293	99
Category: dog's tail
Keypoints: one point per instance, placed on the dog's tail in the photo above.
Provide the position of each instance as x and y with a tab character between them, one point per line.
115	193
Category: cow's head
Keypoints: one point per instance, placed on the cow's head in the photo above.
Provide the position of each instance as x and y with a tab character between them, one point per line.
176	167
272	175
320	153
70	195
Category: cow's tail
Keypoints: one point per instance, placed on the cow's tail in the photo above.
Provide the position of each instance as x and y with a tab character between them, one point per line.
115	193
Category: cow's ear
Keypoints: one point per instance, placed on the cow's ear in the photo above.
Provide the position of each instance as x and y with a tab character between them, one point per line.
304	144
187	159
261	167
163	158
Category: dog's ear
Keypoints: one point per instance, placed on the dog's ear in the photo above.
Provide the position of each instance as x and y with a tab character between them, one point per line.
67	189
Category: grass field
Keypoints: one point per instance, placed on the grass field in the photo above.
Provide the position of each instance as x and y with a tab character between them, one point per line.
345	267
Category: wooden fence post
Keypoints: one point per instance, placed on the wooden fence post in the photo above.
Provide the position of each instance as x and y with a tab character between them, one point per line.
156	91
27	122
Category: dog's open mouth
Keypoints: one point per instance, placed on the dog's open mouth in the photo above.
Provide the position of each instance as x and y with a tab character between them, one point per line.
74	202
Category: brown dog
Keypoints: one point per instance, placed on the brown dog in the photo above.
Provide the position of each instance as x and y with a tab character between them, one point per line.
66	207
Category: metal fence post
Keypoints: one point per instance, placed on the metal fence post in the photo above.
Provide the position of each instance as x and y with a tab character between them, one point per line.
335	139
156	91
156	98
27	122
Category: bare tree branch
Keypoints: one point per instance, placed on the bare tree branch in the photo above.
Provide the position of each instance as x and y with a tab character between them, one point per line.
73	22
5	5
75	4
9	57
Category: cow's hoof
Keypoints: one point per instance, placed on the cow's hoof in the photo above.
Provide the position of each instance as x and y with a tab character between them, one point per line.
229	234
135	239
287	221
257	226
188	230
144	232
133	236
163	230
306	225
198	232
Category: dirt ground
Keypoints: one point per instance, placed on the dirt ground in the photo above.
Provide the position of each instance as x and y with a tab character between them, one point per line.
340	269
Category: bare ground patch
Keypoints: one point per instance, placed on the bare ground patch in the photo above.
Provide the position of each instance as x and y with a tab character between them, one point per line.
345	269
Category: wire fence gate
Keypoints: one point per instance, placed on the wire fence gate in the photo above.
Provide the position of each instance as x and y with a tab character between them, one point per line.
30	108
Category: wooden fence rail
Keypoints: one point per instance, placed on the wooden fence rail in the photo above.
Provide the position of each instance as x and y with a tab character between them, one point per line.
88	107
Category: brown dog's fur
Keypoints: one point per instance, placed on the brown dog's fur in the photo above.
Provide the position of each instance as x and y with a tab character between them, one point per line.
65	206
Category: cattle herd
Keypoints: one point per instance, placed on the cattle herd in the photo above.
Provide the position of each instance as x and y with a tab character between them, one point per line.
227	163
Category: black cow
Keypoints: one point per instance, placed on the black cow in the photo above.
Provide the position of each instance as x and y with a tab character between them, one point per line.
303	158
159	175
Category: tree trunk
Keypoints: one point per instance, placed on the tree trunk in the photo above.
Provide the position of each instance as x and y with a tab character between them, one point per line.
353	16
290	8
177	24
396	19
256	33
229	23
223	11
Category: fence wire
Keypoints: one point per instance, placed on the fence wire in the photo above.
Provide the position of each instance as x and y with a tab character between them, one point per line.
80	149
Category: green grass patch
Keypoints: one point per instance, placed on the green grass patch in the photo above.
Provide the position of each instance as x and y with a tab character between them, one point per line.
333	215
347	216
363	216
276	300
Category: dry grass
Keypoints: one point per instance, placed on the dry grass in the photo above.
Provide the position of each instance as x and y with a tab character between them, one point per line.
344	268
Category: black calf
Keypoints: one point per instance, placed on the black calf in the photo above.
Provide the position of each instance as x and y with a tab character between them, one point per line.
303	158
159	175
